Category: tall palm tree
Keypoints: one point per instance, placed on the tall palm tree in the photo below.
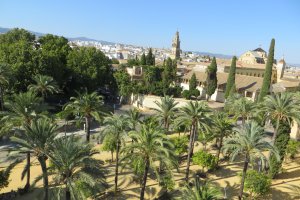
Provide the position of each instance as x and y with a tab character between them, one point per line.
222	128
37	138
166	110
73	163
249	141
196	114
88	106
201	191
240	107
280	107
22	109
4	81
117	125
151	145
44	85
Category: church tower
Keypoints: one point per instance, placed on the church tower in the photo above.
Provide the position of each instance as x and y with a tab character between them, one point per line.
176	46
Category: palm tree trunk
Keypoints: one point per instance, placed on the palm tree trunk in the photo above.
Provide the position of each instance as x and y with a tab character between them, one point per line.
219	148
243	177
243	121
1	99
275	131
27	186
42	161
87	128
189	154
117	166
68	193
144	180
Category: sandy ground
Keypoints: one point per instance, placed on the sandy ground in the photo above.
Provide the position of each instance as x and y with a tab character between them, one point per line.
225	176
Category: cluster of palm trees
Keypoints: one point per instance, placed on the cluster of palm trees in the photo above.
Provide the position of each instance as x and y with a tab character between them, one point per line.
138	138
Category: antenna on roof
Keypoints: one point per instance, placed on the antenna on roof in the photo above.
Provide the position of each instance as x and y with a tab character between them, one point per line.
259	45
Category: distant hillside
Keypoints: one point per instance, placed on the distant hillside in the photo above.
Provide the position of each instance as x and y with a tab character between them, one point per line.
4	30
214	55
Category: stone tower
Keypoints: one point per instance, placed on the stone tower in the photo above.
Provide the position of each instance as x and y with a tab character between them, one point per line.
281	65
176	46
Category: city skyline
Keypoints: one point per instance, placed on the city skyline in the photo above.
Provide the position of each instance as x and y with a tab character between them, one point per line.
201	26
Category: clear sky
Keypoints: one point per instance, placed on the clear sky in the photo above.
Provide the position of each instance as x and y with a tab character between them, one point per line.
227	27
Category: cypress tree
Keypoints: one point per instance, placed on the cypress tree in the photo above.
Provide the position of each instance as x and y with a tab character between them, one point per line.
268	72
150	58
211	80
193	82
143	59
231	77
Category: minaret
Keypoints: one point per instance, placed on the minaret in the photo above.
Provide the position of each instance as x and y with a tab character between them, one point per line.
176	46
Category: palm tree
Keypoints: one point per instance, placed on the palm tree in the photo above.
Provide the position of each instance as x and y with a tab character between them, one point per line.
240	107
22	109
37	138
72	164
134	117
4	81
166	110
196	115
249	141
281	107
201	191
44	85
87	106
151	145
222	128
117	125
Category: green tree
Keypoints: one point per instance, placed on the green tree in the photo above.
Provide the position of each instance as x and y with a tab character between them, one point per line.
150	58
4	82
125	86
169	74
117	125
90	68
222	128
134	117
73	165
166	111
268	72
37	138
249	141
52	58
205	159
201	191
196	116
143	59
231	77
44	85
211	80
151	145
17	49
87	106
193	82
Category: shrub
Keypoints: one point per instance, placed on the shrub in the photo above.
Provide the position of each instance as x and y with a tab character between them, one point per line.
292	148
174	91
186	94
257	183
204	159
195	93
167	182
180	144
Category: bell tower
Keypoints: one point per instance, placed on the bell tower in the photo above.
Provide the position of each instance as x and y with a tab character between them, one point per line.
176	46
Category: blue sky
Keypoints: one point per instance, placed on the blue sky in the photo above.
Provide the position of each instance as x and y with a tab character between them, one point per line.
227	27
